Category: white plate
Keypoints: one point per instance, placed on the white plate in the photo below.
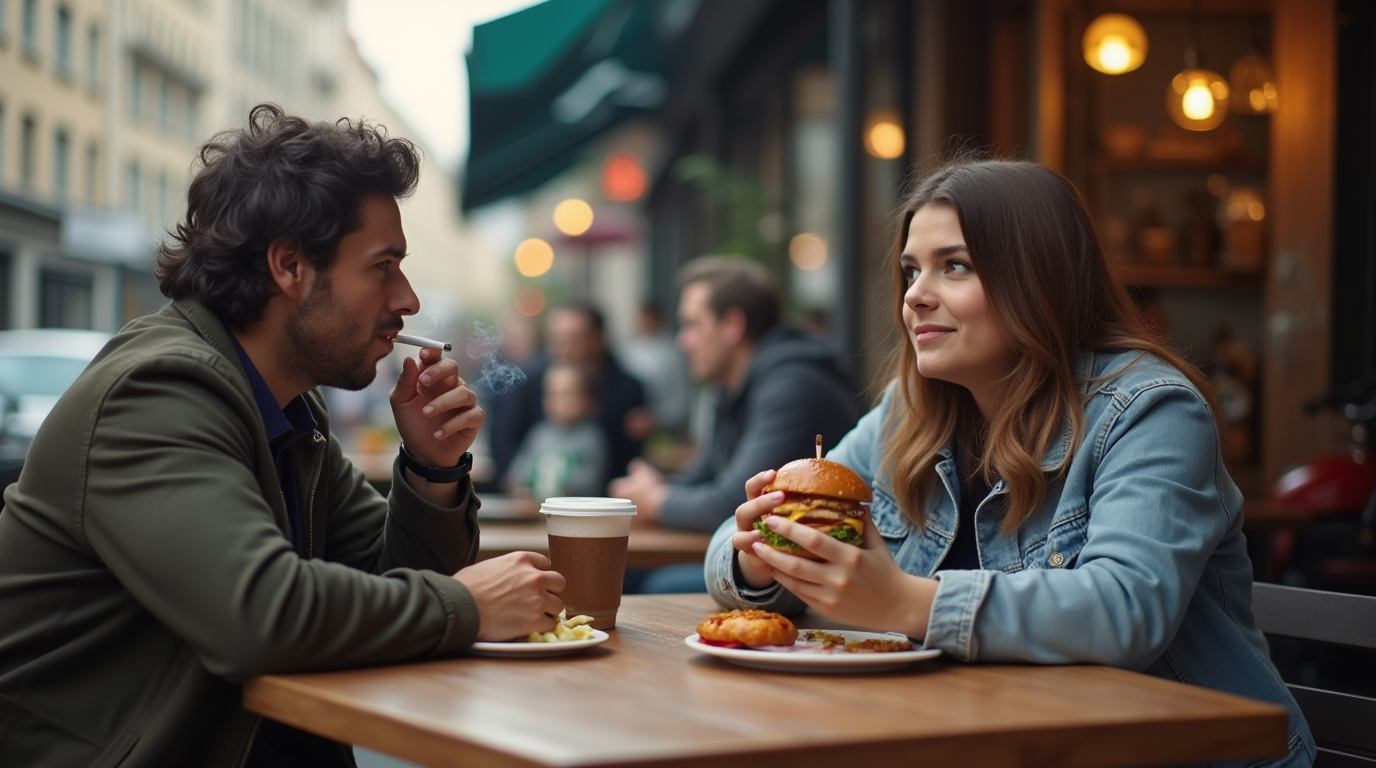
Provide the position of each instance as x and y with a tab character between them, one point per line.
817	660
537	649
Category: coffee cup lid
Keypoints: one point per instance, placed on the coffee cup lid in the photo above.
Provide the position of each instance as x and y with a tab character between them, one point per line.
587	506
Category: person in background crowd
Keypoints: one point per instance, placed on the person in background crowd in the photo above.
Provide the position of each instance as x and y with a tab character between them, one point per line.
566	453
780	388
186	519
652	357
575	334
1049	483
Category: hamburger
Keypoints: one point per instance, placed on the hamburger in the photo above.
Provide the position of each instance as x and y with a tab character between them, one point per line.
821	494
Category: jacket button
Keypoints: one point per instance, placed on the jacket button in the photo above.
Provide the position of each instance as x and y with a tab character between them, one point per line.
1057	559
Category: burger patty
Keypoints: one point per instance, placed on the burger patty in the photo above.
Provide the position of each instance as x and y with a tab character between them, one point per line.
823	507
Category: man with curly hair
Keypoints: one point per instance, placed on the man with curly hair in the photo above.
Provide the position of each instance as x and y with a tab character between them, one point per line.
185	519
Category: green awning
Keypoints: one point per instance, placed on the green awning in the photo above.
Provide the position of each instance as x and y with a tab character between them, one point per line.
545	80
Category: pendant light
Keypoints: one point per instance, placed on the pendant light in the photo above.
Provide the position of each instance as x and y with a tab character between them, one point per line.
1197	98
1253	84
1114	43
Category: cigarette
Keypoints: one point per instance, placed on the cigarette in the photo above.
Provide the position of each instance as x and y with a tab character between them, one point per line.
421	341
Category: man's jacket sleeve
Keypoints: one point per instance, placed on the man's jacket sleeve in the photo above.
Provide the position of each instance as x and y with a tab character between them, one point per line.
172	501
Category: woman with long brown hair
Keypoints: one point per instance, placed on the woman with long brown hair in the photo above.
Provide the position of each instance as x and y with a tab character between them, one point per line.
1047	474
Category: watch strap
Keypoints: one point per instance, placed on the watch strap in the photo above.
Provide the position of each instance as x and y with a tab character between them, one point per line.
437	474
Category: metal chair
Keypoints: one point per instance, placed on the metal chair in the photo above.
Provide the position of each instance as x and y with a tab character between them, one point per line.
1343	724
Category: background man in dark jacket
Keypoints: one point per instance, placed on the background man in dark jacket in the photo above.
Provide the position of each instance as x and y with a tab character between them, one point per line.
185	519
779	388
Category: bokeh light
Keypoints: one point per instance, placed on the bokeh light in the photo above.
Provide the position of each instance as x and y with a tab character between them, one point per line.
807	251
1114	43
884	139
529	300
1197	99
534	257
573	217
623	180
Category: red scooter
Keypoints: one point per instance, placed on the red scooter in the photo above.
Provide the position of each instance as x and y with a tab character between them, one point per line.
1336	550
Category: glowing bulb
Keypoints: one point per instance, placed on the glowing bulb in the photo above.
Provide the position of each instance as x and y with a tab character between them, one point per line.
534	257
1198	101
1114	43
573	217
1114	54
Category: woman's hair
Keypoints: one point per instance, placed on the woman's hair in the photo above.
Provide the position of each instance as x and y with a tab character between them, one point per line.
1048	286
279	177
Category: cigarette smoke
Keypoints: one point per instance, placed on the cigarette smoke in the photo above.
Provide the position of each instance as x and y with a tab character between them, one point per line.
495	374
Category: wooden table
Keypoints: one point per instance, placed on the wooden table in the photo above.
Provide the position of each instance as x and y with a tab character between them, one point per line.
645	698
647	547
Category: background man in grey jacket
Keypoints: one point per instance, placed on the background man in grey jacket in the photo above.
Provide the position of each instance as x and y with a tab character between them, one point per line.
779	388
185	519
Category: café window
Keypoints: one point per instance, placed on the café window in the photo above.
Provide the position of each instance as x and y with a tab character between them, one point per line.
64	300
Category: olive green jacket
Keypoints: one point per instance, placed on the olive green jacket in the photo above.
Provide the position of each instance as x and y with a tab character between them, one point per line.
146	570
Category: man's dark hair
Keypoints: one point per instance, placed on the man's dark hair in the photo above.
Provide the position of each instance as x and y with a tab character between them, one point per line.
597	322
279	177
736	284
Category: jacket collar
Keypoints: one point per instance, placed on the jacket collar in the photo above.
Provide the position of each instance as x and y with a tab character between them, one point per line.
210	328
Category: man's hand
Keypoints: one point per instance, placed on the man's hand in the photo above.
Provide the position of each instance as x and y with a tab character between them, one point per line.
516	593
437	416
646	487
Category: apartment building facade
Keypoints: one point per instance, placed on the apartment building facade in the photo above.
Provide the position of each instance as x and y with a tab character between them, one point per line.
102	106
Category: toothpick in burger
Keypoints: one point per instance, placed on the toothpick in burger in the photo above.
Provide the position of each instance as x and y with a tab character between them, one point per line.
823	495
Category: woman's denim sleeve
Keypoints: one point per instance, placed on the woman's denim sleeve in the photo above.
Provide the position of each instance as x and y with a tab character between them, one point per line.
856	450
1154	503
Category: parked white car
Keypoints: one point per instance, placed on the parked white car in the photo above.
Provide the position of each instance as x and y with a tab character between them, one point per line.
36	367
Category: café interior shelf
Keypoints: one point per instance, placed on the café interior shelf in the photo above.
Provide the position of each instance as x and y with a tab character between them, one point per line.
1147	276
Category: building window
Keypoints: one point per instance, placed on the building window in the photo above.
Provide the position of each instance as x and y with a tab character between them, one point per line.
61	163
92	166
164	104
5	257
93	58
162	197
133	201
64	300
4	22
62	43
28	145
136	92
31	28
191	135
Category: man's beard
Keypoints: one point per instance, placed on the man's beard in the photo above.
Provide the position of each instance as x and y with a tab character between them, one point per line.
320	337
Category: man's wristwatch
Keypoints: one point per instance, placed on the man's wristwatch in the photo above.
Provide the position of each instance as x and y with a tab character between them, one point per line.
437	474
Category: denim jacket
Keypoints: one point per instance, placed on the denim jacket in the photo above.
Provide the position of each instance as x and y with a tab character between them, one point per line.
1135	559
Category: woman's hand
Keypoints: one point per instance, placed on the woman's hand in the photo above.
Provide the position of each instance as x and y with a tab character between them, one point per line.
757	572
860	586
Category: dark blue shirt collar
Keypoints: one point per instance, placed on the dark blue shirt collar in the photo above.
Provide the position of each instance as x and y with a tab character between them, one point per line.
282	425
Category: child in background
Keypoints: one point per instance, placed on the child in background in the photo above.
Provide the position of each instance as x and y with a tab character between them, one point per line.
566	453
